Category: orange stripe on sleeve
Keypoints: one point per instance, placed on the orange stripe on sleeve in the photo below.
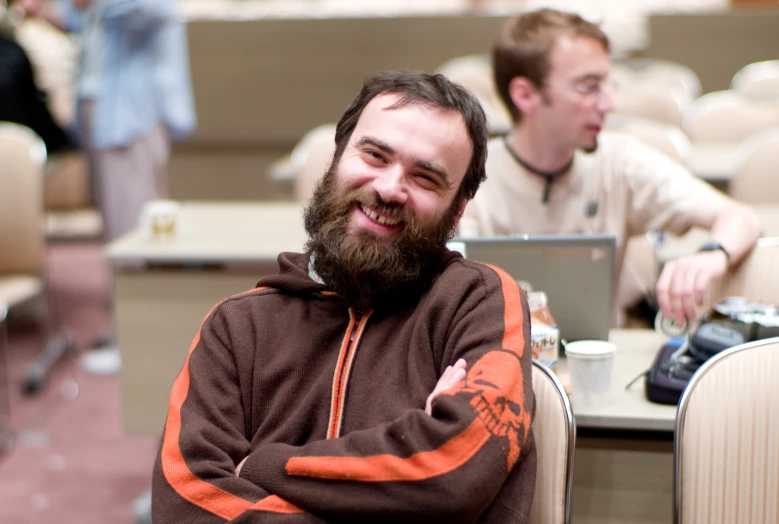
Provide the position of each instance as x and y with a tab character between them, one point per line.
389	468
513	317
200	493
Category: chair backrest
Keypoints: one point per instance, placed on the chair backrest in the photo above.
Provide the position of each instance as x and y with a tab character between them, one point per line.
655	71
474	72
758	79
756	169
555	433
756	277
652	102
725	444
728	116
312	154
22	219
666	138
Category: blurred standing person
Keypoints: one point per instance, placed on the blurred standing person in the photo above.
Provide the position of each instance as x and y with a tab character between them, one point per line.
133	96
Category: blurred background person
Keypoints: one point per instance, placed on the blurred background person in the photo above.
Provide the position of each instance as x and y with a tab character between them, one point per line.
21	100
134	96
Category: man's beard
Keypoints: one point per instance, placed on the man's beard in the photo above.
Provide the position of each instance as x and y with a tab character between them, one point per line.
363	266
593	148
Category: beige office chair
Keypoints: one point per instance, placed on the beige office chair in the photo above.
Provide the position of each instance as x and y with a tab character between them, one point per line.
22	221
555	434
728	117
758	79
288	169
756	169
756	277
652	102
313	161
653	71
666	138
474	72
725	444
22	237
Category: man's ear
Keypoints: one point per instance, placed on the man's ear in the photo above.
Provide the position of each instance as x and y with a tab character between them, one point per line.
330	161
460	213
524	94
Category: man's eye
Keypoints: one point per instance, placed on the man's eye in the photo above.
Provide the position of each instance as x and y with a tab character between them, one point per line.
375	155
427	180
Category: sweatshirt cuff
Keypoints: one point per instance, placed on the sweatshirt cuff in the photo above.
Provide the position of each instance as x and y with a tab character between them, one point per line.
266	466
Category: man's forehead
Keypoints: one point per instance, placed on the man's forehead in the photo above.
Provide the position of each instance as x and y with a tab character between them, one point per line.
394	101
573	55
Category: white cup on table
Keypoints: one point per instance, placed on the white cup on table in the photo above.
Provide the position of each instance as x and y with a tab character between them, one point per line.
590	364
158	220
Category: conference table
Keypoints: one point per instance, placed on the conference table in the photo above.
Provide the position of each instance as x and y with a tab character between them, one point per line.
165	287
623	463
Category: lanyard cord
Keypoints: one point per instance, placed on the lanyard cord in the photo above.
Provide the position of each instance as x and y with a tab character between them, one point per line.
549	177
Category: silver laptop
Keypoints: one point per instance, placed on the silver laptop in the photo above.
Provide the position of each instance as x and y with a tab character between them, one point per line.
576	273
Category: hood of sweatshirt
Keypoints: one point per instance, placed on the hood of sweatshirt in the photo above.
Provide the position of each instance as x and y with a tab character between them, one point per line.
293	277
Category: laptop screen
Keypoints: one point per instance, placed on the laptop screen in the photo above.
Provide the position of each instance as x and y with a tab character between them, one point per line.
576	273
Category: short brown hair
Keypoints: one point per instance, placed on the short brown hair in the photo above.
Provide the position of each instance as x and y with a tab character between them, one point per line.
435	91
524	44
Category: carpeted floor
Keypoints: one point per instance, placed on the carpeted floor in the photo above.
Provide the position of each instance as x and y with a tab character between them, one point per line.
71	462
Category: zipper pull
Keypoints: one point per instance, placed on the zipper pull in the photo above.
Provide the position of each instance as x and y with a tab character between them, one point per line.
357	318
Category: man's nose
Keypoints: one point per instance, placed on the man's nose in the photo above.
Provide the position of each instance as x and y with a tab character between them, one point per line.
606	99
391	186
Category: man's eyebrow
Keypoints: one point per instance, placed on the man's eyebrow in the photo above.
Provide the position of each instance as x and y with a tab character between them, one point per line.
375	142
590	76
438	171
422	164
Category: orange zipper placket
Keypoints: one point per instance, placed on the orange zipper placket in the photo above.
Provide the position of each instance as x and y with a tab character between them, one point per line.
357	321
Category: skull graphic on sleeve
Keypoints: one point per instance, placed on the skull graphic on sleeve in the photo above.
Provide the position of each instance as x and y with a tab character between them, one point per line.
496	382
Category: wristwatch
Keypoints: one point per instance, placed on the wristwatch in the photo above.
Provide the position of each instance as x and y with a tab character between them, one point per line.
713	245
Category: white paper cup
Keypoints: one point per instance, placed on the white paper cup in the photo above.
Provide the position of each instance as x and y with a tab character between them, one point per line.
158	220
589	365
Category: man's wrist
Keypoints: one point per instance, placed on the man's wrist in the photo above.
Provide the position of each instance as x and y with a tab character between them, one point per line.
713	245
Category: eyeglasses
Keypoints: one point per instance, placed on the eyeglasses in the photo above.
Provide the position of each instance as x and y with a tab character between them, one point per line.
590	87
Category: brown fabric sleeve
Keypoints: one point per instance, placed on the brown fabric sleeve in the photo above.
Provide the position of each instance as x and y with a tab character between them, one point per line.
203	440
447	467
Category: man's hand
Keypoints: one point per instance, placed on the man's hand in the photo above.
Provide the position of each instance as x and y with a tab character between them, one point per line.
683	283
452	376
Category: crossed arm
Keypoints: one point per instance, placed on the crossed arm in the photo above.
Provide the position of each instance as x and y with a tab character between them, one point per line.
451	377
446	462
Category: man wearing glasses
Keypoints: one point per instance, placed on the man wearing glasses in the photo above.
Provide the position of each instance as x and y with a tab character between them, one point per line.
556	173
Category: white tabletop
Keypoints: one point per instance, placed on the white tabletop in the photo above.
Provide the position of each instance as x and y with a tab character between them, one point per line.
218	233
627	409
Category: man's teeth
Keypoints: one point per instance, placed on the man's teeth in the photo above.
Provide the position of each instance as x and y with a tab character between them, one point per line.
379	219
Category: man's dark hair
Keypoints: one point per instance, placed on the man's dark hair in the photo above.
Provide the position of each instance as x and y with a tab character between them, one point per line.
435	91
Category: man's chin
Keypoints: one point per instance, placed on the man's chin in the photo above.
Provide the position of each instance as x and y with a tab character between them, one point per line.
592	148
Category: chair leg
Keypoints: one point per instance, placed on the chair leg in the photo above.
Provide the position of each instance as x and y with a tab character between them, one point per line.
38	371
6	432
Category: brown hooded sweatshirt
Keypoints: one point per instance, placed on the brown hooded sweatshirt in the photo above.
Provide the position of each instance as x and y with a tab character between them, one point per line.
327	402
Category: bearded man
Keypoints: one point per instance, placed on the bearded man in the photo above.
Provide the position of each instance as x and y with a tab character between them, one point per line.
378	376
